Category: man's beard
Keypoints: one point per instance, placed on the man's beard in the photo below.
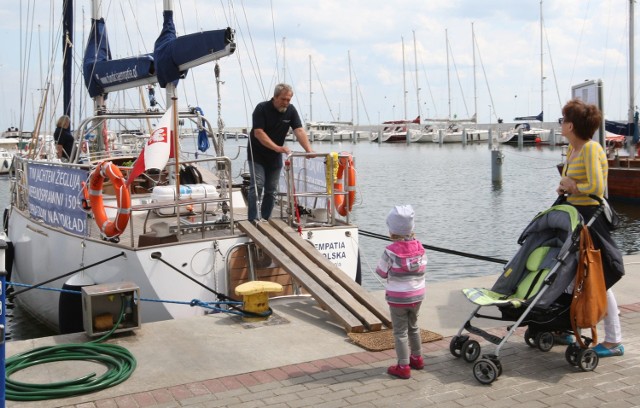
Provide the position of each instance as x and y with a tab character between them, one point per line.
282	110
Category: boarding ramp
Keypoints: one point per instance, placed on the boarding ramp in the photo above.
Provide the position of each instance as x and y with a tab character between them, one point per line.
351	305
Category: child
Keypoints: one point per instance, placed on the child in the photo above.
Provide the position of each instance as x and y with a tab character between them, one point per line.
403	265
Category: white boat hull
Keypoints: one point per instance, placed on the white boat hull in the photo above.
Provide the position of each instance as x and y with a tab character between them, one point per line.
43	253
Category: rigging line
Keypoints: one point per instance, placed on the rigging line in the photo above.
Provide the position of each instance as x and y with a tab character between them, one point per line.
192	76
486	80
257	71
14	294
359	92
275	41
553	68
438	249
575	61
455	67
315	69
433	101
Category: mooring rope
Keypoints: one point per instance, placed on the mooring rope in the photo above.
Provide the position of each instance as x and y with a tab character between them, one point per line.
194	302
438	249
13	295
233	302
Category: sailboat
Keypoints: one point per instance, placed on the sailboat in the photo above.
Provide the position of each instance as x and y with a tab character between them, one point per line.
531	135
453	130
152	224
623	182
402	130
624	171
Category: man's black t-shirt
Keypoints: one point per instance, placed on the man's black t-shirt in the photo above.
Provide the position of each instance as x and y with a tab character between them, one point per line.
276	125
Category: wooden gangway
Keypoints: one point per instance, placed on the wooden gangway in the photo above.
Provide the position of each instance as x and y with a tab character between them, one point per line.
351	305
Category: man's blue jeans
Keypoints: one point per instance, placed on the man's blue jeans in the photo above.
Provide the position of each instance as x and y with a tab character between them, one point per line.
262	179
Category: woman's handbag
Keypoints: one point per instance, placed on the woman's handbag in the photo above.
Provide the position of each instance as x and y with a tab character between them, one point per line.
589	303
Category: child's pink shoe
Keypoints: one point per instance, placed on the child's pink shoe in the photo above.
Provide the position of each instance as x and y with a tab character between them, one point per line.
400	371
416	362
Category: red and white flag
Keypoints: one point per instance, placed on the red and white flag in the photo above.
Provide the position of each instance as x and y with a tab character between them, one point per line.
158	149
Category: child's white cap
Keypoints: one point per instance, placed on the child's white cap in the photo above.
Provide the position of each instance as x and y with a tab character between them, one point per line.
400	220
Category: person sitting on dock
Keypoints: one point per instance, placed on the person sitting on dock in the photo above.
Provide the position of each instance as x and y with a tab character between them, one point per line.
272	120
403	265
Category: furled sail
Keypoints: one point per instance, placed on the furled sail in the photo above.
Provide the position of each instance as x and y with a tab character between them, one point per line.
175	55
103	75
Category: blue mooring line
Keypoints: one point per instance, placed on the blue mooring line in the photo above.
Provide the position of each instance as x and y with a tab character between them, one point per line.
194	302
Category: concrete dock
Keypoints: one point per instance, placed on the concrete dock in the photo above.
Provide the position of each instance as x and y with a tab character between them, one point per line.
299	358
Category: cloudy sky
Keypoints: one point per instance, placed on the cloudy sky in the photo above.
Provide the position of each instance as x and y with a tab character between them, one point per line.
314	44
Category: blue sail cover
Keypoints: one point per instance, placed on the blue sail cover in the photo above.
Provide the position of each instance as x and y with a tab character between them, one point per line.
97	49
174	55
102	74
624	129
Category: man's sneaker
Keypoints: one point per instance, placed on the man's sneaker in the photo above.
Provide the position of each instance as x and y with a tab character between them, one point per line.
400	371
416	362
614	351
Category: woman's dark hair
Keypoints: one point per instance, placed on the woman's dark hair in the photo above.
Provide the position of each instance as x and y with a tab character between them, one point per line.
586	118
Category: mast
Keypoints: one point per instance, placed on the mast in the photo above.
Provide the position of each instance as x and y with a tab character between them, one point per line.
415	59
284	60
67	55
446	36
404	81
475	90
541	69
310	93
631	63
351	87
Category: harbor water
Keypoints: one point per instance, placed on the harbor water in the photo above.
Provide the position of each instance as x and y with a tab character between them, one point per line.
458	206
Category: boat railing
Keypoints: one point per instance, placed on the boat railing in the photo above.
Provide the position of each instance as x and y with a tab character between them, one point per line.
215	211
94	124
205	211
311	196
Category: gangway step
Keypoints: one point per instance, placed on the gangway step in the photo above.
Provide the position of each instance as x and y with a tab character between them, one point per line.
348	321
379	309
311	267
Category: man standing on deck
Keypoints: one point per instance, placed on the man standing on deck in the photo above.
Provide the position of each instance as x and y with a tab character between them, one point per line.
272	120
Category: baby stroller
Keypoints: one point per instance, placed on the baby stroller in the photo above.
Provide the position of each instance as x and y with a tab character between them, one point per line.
532	292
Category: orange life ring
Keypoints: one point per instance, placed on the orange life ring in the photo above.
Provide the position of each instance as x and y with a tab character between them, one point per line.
116	227
344	206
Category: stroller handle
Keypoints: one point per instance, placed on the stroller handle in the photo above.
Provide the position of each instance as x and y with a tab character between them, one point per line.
563	198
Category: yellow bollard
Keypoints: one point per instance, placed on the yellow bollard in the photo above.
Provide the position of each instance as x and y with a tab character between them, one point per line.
256	297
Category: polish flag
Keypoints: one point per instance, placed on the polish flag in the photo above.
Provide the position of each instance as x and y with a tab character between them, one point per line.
158	149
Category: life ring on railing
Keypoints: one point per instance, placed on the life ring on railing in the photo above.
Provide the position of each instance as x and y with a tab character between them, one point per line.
340	200
109	228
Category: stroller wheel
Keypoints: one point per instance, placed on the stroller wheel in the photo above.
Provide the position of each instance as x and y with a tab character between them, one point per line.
571	354
455	346
544	341
485	371
529	339
470	351
587	360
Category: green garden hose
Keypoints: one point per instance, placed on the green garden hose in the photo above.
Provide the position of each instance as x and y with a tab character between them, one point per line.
119	361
